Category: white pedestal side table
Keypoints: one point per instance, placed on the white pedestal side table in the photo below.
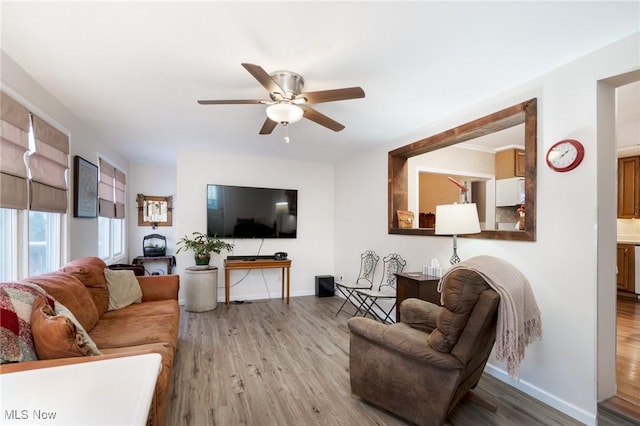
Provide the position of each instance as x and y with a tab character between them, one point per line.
201	284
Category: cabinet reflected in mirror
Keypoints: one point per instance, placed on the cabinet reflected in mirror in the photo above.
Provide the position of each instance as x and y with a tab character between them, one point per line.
490	161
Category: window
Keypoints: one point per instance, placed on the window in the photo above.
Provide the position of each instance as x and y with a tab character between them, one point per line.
34	169
8	244
44	242
111	227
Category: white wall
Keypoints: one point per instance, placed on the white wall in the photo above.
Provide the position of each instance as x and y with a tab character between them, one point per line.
155	180
563	263
311	252
82	233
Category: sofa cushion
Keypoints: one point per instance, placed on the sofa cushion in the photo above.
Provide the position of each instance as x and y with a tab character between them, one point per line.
90	271
131	326
56	336
123	288
16	338
69	291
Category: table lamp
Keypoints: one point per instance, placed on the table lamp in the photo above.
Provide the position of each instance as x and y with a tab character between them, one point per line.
455	219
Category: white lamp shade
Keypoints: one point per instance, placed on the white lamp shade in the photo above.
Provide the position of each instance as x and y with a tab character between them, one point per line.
284	113
455	219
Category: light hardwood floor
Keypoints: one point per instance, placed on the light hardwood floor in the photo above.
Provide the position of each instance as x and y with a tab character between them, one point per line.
628	350
266	363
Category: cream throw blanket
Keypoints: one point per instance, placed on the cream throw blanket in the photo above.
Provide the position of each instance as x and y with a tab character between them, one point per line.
519	322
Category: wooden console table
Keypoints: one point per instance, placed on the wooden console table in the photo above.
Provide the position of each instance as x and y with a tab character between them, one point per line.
234	264
418	285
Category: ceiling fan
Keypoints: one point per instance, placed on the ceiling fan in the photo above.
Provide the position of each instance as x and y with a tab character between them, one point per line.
287	103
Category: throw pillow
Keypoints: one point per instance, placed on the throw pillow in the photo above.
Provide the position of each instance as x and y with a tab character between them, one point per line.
16	338
55	336
123	288
60	309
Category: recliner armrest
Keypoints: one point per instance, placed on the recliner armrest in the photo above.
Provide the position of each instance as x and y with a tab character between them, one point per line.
402	339
419	314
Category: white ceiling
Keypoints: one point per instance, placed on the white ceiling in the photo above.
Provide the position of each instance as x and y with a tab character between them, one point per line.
134	71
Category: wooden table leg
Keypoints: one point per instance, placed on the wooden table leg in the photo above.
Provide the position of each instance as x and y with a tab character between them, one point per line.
282	284
288	284
226	287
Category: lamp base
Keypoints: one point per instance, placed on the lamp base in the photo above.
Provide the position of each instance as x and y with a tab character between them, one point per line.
454	258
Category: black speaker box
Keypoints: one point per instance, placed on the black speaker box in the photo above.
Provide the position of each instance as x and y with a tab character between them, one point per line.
325	286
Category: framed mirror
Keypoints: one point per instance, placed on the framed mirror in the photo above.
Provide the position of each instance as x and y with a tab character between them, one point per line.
154	211
471	156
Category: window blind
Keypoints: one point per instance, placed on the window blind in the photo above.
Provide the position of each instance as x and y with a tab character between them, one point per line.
14	142
48	166
111	191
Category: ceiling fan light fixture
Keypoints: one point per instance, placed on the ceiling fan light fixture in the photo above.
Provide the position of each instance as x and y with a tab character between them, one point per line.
284	113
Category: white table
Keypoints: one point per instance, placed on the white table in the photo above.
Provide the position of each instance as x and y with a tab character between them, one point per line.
110	392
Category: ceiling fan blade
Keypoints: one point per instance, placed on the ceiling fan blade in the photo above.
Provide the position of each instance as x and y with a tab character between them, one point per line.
268	126
263	78
332	95
232	101
321	119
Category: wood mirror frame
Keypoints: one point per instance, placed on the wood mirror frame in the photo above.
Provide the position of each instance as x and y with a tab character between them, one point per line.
525	112
164	203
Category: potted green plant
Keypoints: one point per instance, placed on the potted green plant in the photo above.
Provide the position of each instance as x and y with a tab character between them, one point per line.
202	246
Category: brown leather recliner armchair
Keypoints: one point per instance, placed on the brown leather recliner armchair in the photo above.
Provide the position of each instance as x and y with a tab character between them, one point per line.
421	367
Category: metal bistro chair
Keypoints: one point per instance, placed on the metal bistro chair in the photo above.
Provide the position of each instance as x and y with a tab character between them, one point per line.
393	264
368	261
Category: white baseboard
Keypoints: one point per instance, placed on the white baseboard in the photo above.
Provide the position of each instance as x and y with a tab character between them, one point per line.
590	419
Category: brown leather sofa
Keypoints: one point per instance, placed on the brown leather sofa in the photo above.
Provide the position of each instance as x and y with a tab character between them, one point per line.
421	367
140	328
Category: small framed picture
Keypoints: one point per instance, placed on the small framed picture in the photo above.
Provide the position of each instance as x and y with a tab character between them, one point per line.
85	189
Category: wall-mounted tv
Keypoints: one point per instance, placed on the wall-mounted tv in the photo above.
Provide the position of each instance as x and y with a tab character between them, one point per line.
250	212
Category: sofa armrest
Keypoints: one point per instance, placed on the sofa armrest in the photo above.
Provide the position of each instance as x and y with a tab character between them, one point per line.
419	314
402	339
159	287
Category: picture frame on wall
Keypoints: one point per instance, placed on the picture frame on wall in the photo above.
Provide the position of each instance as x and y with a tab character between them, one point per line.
85	188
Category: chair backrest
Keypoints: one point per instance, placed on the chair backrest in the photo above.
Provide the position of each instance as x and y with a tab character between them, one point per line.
368	262
467	320
392	264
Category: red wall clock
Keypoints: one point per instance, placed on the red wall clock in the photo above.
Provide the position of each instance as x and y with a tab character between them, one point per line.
565	155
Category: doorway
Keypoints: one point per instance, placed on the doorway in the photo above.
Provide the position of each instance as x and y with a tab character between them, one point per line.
606	388
627	304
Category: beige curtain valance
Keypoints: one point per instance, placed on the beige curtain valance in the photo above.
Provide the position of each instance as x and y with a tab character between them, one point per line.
14	143
111	191
49	166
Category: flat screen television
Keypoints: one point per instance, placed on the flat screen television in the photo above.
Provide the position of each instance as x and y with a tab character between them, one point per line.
250	212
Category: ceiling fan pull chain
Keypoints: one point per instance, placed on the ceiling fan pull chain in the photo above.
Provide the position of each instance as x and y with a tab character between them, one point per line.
286	133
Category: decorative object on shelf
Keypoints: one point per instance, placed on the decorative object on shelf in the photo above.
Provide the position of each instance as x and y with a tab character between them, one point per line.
154	211
464	191
202	246
85	189
456	219
521	215
565	155
154	245
405	219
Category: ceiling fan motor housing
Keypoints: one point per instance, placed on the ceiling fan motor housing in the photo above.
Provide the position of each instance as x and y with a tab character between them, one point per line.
290	82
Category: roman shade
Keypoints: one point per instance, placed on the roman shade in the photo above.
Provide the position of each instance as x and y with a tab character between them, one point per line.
14	143
48	166
111	191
